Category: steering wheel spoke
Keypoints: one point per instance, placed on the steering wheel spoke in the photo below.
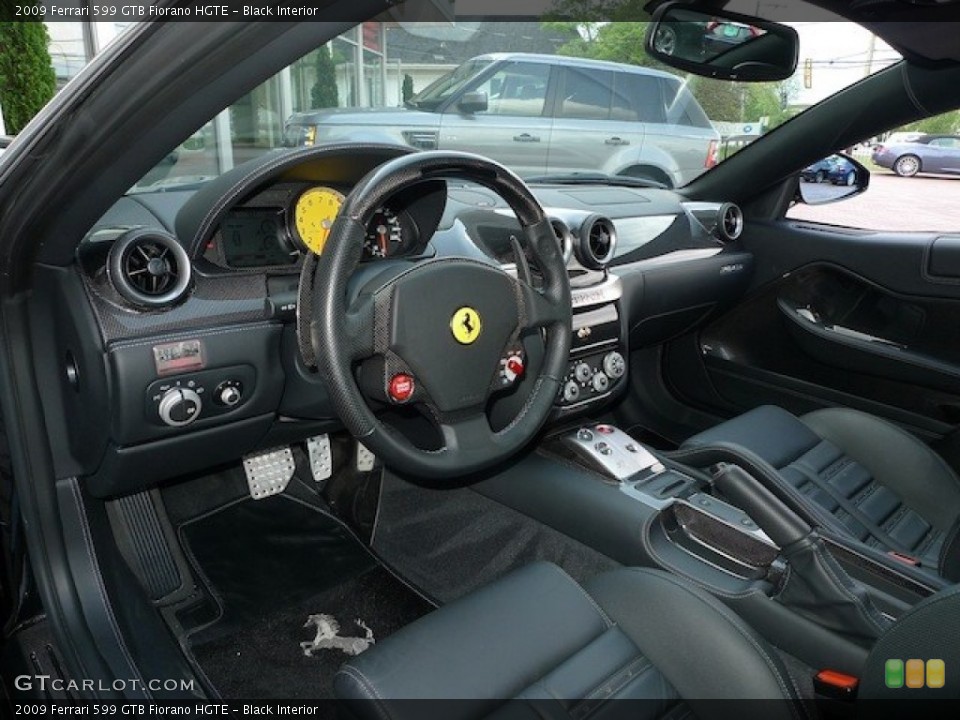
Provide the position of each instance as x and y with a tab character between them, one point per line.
360	323
470	437
541	311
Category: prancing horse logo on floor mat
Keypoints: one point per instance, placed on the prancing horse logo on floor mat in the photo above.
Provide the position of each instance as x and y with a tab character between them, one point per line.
328	637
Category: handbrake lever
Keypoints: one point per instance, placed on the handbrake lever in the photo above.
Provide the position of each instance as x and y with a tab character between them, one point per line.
779	522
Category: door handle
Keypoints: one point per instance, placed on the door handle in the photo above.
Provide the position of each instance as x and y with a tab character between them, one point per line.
616	141
526	137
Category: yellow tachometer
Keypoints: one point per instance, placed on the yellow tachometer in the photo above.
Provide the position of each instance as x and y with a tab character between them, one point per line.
313	216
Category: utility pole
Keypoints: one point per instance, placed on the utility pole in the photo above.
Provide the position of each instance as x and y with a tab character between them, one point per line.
871	50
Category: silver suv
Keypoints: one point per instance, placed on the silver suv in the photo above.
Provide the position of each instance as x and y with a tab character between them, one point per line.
541	114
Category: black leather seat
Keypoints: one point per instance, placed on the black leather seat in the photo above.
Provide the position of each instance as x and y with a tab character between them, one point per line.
536	635
851	473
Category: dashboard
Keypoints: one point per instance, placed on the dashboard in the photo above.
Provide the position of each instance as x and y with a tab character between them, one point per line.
180	315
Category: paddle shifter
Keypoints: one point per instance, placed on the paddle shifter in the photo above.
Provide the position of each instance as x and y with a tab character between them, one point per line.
816	586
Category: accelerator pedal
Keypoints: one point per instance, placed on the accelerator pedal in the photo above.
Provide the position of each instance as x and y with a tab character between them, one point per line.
268	473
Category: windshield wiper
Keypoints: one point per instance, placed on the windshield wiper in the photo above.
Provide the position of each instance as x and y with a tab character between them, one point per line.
588	178
190	182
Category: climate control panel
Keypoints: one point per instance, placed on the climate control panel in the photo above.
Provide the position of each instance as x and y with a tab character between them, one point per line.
591	376
182	400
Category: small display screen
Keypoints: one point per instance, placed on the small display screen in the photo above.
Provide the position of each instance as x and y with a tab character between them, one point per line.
254	237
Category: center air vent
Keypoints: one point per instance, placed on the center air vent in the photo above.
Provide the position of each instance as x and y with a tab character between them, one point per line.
149	268
564	238
729	222
598	241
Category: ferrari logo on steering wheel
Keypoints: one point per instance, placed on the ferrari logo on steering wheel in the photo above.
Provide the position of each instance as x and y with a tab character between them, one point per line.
466	325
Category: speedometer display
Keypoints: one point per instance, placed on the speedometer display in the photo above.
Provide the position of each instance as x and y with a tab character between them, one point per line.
384	235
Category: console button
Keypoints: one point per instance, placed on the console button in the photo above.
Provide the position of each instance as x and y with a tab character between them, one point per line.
179	407
583	372
571	391
614	365
585	435
603	448
600	382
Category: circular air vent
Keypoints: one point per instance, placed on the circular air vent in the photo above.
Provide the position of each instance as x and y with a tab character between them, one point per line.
598	241
729	222
564	238
149	268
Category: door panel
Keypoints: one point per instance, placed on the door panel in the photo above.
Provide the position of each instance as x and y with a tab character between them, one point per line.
836	317
515	129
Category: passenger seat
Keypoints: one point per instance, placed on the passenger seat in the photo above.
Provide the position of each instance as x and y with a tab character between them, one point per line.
854	474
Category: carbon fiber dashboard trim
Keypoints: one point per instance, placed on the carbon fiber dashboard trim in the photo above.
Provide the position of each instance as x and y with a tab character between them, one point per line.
214	301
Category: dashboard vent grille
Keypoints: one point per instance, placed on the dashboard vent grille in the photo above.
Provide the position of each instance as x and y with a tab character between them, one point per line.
730	224
421	139
598	241
149	268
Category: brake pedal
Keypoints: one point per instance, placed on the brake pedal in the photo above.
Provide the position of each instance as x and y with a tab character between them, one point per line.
269	473
321	458
365	459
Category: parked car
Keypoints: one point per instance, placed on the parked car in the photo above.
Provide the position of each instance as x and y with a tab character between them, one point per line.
924	154
541	114
835	169
721	36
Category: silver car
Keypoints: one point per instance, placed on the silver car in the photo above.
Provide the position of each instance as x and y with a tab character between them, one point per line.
541	114
925	154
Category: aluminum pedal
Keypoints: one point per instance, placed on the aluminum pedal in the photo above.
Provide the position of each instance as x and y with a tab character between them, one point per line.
269	473
365	459
321	459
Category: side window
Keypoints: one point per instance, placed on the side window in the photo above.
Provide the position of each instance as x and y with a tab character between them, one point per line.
517	89
637	97
952	143
680	107
914	182
586	94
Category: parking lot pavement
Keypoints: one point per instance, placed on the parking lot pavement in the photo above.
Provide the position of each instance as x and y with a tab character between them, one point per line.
917	204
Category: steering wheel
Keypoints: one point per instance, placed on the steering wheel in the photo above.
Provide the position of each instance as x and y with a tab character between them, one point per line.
436	332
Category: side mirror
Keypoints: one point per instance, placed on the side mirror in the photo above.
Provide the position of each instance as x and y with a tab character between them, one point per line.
473	102
834	178
718	44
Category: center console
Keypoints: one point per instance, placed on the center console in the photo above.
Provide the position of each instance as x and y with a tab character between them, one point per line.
598	485
597	367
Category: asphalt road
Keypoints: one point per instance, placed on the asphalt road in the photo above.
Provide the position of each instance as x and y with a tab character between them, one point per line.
917	204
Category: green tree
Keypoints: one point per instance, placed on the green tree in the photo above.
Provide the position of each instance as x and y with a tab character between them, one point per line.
324	93
945	124
27	80
406	90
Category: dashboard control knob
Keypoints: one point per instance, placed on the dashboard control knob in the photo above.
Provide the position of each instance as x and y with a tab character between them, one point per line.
583	372
600	382
614	365
585	435
230	395
571	391
179	407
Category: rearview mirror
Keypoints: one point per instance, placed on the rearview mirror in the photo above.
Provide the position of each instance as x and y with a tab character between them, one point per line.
834	178
722	45
473	102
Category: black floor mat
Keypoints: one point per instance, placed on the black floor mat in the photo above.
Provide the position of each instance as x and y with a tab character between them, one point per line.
269	564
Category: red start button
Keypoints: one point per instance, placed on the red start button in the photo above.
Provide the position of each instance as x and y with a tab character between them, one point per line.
401	387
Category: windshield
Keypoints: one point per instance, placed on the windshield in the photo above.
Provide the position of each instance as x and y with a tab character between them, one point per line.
450	84
547	99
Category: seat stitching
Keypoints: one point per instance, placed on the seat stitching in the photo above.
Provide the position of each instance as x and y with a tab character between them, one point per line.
639	659
734	621
367	688
606	618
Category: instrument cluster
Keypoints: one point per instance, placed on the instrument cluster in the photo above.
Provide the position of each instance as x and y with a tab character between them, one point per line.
280	225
